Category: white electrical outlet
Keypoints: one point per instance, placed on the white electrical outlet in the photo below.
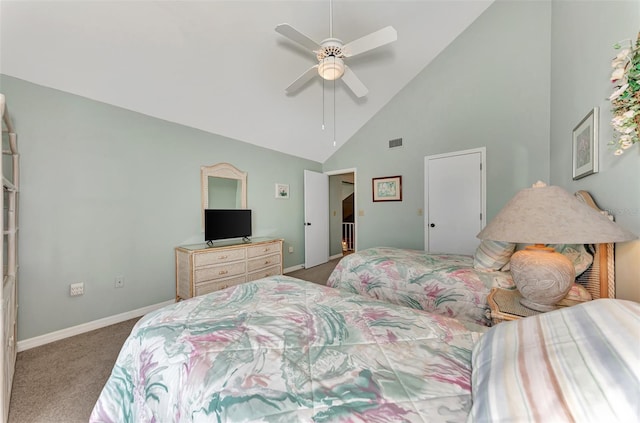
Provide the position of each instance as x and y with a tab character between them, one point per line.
76	289
290	250
119	282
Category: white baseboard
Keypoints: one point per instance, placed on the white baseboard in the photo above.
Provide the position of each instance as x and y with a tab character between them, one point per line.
37	341
293	268
301	266
87	327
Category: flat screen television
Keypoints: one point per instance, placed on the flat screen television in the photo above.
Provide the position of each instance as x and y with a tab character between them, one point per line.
226	224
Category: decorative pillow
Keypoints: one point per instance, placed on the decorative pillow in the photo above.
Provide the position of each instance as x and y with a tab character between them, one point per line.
576	364
492	255
578	293
578	255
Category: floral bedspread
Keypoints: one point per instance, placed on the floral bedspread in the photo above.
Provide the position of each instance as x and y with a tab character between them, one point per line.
446	284
284	350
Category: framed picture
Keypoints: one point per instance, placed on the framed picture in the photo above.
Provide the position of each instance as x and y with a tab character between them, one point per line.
282	191
585	146
388	188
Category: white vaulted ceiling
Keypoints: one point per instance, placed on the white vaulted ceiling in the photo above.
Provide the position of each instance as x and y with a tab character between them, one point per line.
219	66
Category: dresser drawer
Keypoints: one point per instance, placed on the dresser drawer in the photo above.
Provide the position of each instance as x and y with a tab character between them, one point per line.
220	256
270	271
220	271
263	249
205	288
262	262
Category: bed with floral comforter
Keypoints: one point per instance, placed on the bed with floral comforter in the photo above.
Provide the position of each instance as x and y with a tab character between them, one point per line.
285	350
446	284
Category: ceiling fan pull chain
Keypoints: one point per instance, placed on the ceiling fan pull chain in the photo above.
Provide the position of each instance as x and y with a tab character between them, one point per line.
323	104
334	112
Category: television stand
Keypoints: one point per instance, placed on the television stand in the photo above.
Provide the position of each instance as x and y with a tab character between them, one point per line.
204	268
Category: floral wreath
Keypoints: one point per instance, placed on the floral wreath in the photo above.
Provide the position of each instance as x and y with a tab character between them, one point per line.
625	100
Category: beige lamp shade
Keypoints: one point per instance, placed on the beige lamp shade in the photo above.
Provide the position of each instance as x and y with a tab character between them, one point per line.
550	215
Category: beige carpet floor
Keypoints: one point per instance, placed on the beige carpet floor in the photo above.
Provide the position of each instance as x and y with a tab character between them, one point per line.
318	274
61	381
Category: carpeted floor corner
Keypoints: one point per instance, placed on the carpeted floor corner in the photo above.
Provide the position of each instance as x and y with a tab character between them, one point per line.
61	381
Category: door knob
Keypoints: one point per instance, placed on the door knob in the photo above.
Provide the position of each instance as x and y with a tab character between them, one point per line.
433	225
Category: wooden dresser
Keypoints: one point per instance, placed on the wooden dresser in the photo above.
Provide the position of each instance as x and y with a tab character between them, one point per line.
201	269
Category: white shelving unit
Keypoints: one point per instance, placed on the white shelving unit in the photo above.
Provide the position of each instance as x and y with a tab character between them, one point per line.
10	171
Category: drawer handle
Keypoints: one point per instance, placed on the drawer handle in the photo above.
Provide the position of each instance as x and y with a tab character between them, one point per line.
224	287
222	257
267	249
267	262
223	272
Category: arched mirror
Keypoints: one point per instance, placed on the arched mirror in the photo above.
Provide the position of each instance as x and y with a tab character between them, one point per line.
223	186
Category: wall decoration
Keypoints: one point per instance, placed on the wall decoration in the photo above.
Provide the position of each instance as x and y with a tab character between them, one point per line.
585	146
625	100
282	191
388	188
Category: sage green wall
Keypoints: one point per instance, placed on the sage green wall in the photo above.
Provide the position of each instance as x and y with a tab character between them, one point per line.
106	192
580	70
490	88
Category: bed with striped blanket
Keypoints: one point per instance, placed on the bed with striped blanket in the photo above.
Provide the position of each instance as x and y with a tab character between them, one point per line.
578	364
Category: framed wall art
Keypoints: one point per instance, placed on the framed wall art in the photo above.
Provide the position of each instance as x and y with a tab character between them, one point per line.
388	188
585	146
282	191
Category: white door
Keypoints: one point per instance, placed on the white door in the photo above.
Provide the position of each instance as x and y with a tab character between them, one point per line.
454	201
316	218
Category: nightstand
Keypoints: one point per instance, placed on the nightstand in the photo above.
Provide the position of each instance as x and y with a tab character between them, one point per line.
505	305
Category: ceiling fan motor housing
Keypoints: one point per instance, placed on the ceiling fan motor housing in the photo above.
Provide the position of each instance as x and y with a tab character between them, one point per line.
331	65
330	47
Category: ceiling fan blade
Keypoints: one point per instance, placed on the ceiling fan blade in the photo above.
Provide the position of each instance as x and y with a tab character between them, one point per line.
297	36
302	79
351	80
376	39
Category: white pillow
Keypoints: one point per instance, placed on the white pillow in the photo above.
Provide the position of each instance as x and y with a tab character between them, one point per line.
578	255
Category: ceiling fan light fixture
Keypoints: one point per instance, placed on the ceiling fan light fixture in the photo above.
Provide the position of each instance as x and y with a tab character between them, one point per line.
331	68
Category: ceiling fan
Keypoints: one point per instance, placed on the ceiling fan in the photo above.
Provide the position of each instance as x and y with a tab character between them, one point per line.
331	53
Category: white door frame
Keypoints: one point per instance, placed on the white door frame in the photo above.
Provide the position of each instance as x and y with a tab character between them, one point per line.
355	199
483	188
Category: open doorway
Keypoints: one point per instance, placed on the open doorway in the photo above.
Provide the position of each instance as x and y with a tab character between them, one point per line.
342	213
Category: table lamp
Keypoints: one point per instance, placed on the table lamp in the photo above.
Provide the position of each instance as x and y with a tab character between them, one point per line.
548	215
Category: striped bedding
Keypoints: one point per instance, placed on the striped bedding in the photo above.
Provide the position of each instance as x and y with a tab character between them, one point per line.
578	364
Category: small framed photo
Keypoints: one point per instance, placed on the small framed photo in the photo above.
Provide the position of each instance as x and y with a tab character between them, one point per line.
585	146
282	191
388	188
